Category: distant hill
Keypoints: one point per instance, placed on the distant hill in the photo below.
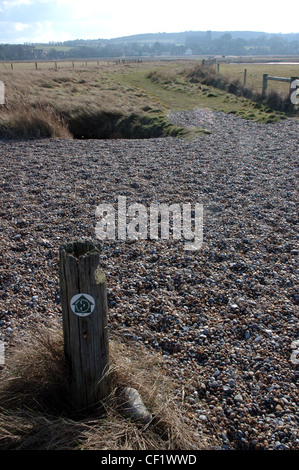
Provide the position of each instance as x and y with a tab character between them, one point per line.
197	43
182	37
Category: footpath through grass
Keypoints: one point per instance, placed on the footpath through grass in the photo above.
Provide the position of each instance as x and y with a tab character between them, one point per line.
170	86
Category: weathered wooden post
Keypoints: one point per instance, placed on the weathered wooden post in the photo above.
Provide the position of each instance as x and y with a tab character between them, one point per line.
245	74
293	90
85	331
2	93
265	83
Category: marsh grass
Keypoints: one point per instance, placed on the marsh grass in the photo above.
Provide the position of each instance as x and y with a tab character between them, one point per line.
35	413
31	122
78	104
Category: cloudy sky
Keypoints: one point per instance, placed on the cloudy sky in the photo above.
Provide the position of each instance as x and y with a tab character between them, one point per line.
59	20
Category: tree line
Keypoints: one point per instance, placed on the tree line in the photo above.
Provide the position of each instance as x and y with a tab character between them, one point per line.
276	44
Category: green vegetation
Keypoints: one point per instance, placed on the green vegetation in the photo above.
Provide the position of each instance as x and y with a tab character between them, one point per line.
187	86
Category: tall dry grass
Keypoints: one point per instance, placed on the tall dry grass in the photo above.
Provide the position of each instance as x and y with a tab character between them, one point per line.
32	122
28	112
35	412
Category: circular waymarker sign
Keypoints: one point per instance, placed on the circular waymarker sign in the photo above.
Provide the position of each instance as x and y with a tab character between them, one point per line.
82	304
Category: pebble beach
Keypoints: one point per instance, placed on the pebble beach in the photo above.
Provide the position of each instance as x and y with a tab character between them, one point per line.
224	317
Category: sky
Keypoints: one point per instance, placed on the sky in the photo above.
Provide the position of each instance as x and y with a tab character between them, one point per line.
32	21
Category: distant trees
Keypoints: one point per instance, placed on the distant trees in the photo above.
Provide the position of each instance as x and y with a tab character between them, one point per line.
14	52
200	43
20	52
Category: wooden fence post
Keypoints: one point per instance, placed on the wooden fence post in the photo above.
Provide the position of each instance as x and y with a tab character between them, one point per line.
293	88
85	331
245	74
265	83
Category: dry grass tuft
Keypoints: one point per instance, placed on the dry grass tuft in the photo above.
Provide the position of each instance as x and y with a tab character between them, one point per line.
35	412
27	121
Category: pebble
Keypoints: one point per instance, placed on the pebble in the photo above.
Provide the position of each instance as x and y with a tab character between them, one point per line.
203	417
238	398
223	317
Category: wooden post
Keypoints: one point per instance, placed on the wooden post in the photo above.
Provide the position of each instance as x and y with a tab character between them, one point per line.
265	83
35	65
2	93
85	331
11	66
245	73
292	92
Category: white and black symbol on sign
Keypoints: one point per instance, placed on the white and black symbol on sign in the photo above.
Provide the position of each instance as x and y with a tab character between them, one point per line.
82	304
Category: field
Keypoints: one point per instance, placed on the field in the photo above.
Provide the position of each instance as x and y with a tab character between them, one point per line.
254	75
104	99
